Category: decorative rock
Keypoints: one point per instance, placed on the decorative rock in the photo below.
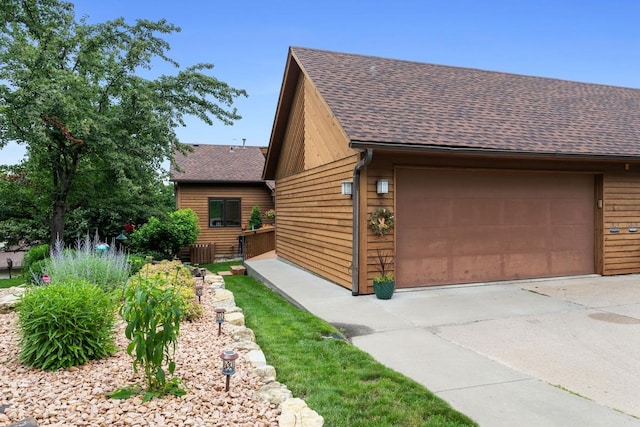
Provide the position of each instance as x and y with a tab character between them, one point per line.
215	280
8	303
235	318
223	298
243	334
274	392
238	270
247	346
267	373
296	413
27	422
256	358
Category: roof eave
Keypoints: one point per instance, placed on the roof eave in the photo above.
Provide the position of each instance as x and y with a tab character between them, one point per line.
393	146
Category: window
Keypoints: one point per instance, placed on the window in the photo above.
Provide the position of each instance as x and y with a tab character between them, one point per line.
224	213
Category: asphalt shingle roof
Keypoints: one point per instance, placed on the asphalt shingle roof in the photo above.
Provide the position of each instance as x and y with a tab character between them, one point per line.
219	163
401	103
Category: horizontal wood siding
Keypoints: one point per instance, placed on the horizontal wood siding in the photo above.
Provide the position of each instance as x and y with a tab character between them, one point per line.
196	196
621	210
314	221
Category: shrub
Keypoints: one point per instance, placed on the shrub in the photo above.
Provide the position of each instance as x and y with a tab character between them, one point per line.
152	311
175	275
167	237
255	219
108	269
65	324
135	263
33	261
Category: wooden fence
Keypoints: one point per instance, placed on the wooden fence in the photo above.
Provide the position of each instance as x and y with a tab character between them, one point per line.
202	253
259	241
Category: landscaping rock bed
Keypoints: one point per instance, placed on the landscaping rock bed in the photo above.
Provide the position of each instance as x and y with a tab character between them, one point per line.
77	396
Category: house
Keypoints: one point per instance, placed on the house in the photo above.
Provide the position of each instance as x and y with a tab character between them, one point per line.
221	184
490	176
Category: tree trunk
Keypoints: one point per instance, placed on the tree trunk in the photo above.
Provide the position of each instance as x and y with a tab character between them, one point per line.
57	222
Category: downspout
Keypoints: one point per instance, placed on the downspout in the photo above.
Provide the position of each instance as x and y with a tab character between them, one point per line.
355	263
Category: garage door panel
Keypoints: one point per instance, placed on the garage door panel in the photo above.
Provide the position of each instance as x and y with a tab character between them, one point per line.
466	226
466	212
476	268
567	263
536	263
572	212
526	212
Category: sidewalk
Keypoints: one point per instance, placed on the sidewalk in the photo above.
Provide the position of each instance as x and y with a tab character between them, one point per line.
493	351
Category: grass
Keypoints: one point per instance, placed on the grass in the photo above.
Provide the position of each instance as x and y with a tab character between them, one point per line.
341	382
16	280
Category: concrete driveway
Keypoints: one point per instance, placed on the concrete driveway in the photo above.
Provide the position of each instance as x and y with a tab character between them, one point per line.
553	352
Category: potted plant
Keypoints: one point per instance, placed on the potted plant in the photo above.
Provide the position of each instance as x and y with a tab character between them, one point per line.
384	283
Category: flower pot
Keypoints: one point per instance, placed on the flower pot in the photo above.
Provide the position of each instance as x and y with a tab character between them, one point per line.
384	290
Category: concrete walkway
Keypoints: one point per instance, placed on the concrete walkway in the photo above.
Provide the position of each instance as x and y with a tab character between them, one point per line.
557	352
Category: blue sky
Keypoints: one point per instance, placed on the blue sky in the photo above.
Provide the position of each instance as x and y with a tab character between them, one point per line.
247	41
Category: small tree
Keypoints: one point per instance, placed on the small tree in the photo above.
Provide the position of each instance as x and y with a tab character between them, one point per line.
255	220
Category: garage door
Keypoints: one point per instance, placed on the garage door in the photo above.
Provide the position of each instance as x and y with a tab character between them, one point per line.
477	226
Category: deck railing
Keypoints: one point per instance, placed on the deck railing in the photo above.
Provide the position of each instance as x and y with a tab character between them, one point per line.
257	242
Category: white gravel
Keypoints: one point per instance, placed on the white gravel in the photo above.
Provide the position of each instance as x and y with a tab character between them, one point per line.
76	396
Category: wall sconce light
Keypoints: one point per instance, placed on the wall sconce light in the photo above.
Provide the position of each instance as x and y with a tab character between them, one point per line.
382	186
347	188
228	365
220	318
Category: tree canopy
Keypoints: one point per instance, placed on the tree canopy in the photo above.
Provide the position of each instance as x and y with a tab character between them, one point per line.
73	94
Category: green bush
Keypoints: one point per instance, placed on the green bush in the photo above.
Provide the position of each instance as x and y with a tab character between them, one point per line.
175	275
136	262
65	324
33	262
109	269
166	237
255	218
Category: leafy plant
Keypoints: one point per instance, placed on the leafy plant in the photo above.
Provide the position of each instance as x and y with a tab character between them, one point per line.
255	219
270	214
33	262
109	269
383	262
173	274
167	237
152	312
65	324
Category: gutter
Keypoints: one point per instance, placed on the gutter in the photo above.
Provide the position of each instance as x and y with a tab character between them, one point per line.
493	152
355	263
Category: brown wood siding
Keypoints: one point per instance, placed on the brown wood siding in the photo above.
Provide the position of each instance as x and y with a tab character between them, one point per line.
621	193
196	197
292	160
325	141
314	224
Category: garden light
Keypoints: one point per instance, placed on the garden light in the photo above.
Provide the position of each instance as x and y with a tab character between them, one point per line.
228	365
220	318
199	288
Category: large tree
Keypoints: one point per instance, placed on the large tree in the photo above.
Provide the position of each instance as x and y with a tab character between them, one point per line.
73	94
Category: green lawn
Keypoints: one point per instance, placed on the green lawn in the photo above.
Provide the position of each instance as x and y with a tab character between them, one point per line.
15	281
342	383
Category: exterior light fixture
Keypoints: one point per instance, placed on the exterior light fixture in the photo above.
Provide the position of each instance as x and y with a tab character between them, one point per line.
347	188
220	318
382	186
199	288
228	365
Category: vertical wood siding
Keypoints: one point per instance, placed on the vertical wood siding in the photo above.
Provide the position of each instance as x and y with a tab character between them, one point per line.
196	196
621	209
